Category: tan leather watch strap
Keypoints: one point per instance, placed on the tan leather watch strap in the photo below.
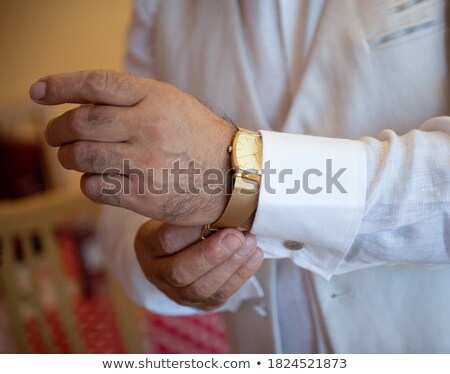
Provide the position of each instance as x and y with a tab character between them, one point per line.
243	202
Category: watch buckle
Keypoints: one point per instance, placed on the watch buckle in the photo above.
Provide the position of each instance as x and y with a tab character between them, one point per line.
207	231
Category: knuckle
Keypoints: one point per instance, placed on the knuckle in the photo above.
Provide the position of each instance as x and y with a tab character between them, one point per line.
212	254
124	82
90	157
165	239
102	198
175	276
74	120
244	272
168	238
89	187
195	292
76	116
74	155
222	295
106	197
97	116
96	81
103	80
82	155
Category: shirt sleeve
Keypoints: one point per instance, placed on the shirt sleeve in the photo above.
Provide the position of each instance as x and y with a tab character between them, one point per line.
354	204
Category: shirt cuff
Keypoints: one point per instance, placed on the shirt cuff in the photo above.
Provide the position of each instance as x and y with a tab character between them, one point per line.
313	191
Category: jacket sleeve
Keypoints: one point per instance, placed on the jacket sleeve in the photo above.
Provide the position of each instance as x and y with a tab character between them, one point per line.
354	204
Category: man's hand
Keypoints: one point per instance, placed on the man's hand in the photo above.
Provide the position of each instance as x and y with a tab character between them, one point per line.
152	125
201	274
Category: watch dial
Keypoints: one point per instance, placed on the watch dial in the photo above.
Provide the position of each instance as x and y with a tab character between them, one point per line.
248	152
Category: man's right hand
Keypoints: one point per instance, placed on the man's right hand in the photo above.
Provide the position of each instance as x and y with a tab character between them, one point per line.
201	274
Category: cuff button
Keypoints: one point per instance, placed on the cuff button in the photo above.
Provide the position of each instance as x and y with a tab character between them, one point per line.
293	245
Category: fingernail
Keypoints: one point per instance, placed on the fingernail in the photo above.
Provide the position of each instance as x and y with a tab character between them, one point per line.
37	90
231	242
255	259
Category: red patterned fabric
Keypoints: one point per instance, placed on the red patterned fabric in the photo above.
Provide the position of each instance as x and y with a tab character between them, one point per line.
96	321
196	334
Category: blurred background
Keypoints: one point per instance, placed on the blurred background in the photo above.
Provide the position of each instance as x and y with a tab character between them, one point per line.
55	295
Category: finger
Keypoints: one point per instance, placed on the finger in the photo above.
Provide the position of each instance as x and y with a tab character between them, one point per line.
111	189
190	264
208	284
236	281
93	157
125	191
158	239
90	86
90	122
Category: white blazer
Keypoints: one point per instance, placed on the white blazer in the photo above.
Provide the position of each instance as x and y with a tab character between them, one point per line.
379	254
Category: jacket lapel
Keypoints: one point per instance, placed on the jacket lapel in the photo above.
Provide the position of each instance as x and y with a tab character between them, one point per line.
325	61
243	61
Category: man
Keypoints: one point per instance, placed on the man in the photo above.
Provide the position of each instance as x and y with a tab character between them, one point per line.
367	219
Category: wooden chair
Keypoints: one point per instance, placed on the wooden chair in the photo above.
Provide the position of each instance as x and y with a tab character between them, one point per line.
37	218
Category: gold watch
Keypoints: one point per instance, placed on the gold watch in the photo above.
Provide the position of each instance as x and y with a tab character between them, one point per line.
246	160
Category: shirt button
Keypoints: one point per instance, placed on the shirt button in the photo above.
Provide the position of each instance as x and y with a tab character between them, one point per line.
293	245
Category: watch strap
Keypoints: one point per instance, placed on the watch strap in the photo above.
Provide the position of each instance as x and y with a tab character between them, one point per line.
242	203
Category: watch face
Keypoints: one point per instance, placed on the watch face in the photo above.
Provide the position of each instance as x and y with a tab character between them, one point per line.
247	153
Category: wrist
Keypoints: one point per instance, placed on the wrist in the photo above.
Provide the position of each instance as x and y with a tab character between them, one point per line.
218	201
246	160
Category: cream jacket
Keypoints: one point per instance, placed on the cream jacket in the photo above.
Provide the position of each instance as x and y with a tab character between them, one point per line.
373	98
